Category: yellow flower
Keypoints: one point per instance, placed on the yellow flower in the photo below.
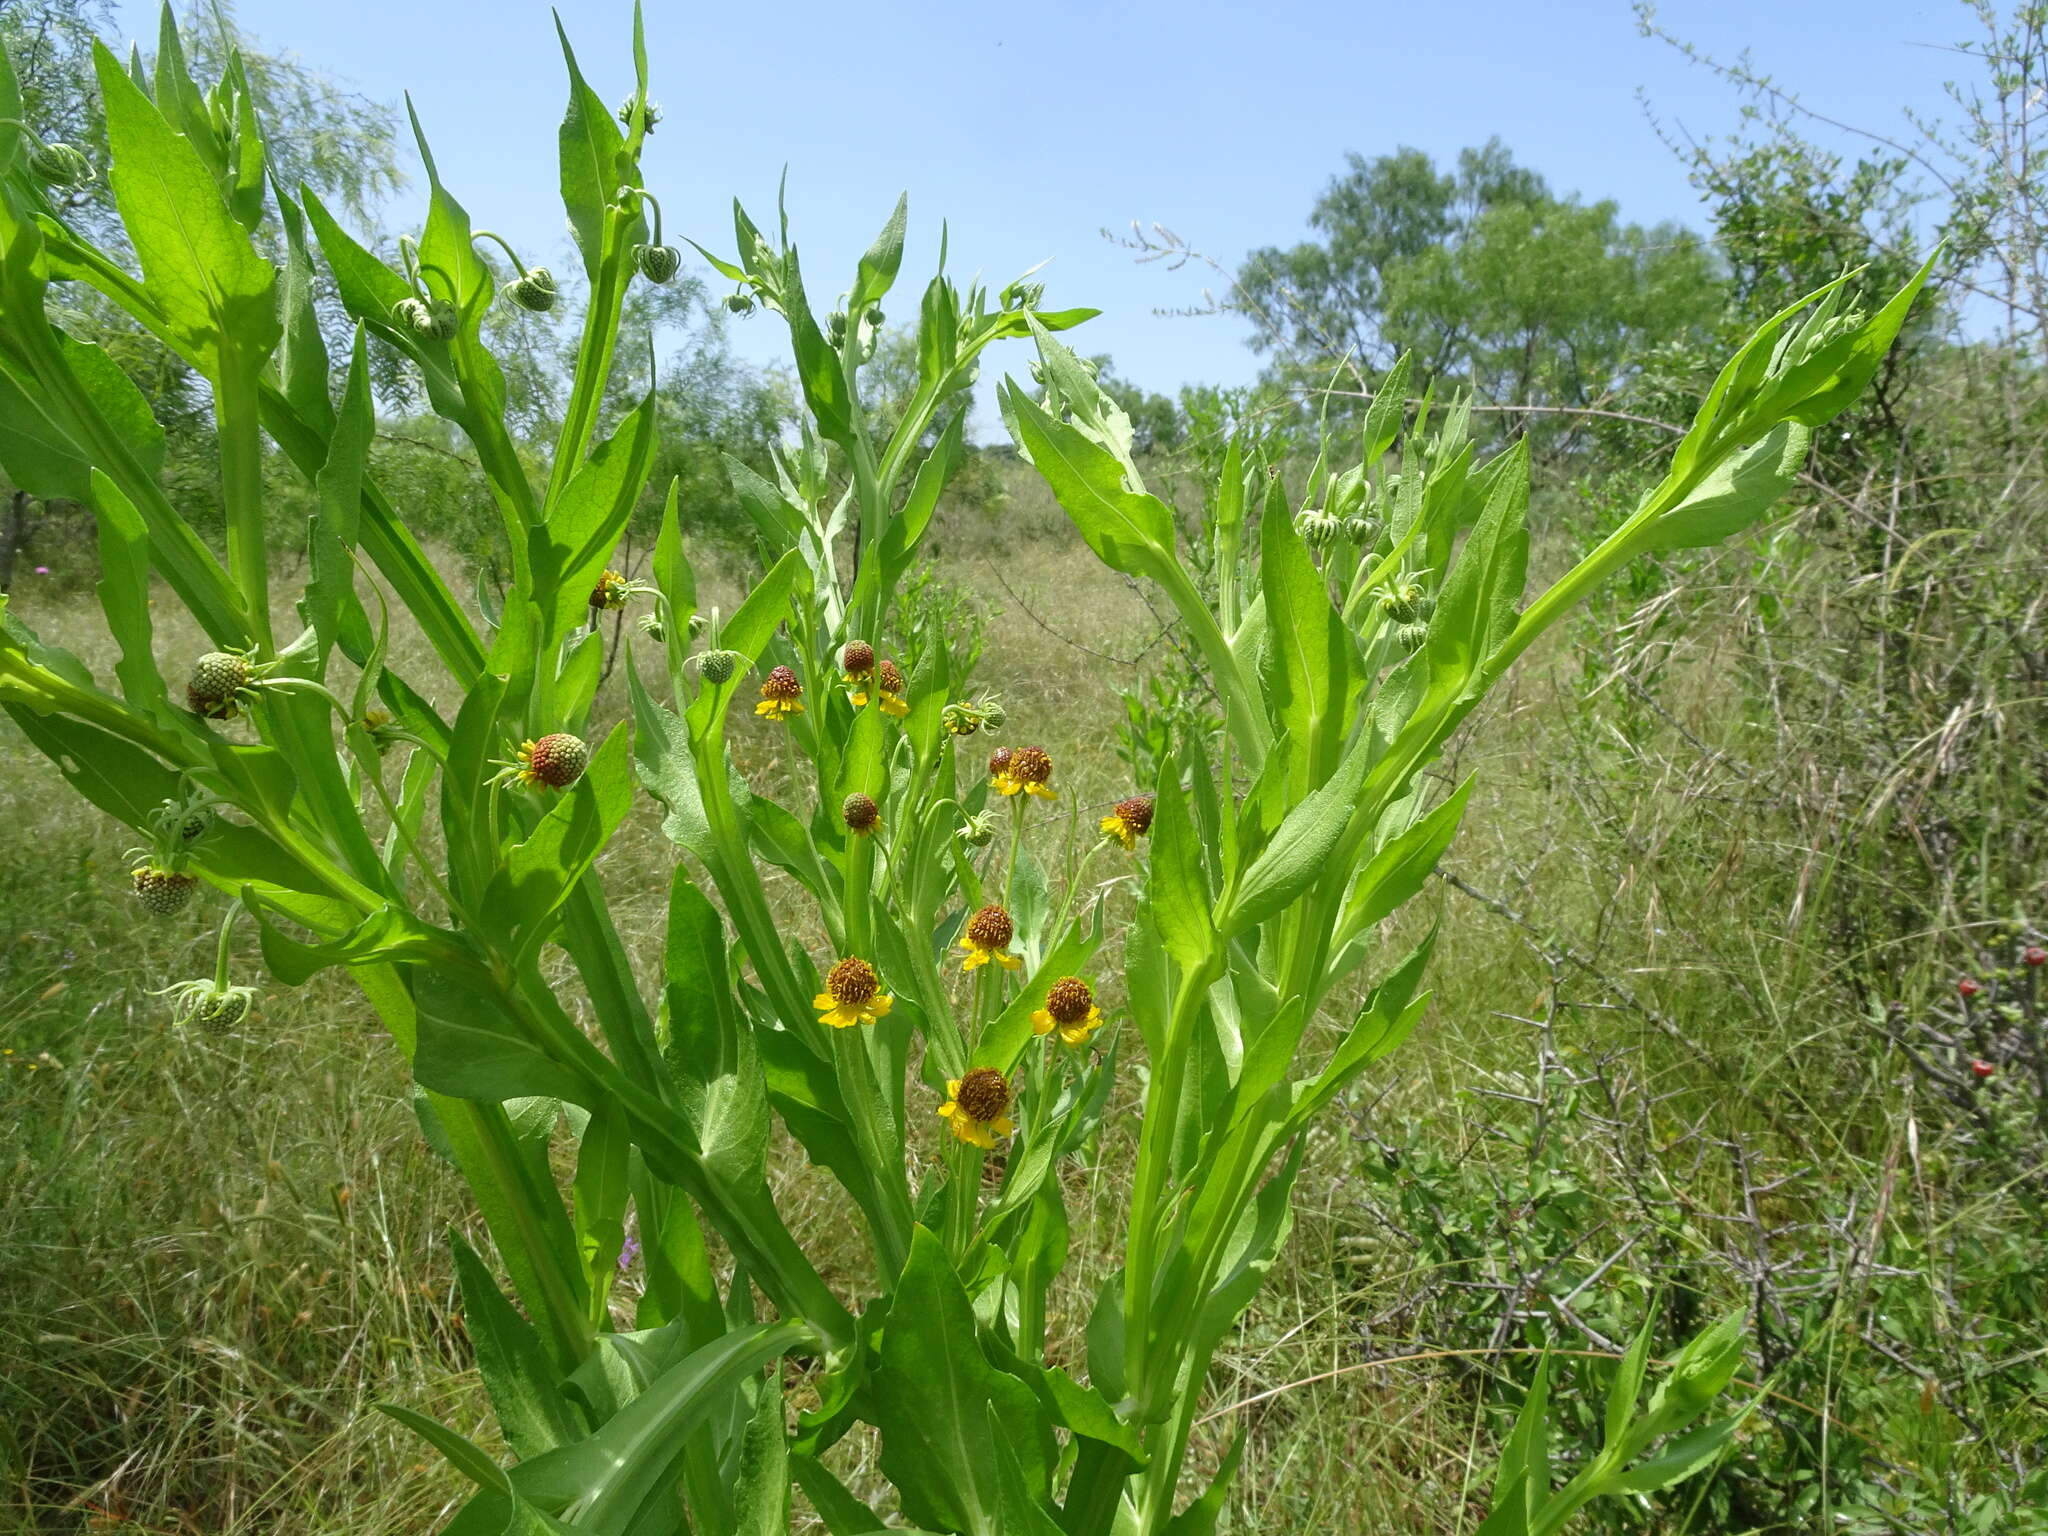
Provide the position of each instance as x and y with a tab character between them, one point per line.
1021	770
1128	821
852	995
977	1107
781	695
892	691
987	938
1070	1009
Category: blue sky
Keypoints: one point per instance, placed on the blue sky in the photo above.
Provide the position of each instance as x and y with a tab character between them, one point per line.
1031	127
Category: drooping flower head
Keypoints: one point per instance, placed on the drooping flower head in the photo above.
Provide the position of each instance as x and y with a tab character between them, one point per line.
860	813
978	1107
987	937
1128	820
890	676
1069	1008
611	592
164	891
781	695
853	995
1022	770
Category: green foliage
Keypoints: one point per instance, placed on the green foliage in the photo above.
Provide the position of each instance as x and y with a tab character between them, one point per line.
924	1031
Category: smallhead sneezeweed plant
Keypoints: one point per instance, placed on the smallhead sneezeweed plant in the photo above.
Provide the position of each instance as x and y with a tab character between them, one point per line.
945	1048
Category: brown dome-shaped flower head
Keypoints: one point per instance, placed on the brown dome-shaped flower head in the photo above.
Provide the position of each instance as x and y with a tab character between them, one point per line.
987	937
781	695
554	762
1070	1009
999	761
889	679
853	995
860	813
1128	820
856	660
978	1107
1025	771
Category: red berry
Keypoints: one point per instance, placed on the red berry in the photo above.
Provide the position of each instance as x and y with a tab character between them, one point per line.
2035	955
1982	1068
1969	986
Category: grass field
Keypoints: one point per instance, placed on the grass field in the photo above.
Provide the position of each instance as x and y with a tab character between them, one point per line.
1665	1094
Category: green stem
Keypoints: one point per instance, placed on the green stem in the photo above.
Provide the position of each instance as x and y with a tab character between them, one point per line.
237	420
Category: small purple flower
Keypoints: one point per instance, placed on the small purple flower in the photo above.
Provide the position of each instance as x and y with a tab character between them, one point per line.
42	570
628	1253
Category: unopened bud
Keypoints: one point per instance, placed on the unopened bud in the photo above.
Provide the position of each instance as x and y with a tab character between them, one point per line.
657	263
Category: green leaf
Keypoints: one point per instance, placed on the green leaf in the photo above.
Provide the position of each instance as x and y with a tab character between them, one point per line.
1682	1458
762	1493
1628	1385
600	1187
1521	1486
933	1389
1130	531
1736	492
570	550
1389	405
878	268
1176	884
710	1052
1307	666
1401	866
469	1049
531	1411
617	1478
592	148
1298	855
214	291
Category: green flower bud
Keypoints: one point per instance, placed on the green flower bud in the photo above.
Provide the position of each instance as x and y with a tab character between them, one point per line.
1409	637
740	303
1361	530
434	319
652	627
718	666
657	263
535	291
651	113
59	165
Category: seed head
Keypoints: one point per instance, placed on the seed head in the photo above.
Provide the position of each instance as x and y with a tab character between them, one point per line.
857	658
657	263
166	892
1069	1000
852	982
1031	765
1969	987
892	677
860	813
556	761
217	680
983	1095
991	928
